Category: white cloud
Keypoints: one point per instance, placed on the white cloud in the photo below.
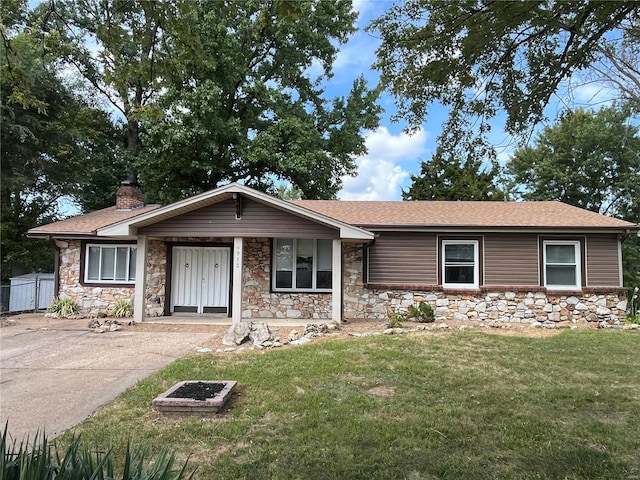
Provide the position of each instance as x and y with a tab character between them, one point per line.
361	6
594	94
380	175
356	57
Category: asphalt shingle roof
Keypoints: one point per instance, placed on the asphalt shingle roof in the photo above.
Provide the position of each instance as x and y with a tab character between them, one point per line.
547	214
393	214
87	224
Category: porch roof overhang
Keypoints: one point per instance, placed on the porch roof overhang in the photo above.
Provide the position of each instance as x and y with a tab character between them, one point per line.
129	227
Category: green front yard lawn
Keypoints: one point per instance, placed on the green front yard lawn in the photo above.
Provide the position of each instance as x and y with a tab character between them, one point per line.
462	404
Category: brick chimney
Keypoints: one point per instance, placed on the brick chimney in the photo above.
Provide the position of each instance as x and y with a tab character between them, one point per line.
129	196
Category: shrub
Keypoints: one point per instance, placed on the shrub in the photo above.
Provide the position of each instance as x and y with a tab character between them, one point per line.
633	319
423	313
122	308
395	319
64	307
41	461
633	305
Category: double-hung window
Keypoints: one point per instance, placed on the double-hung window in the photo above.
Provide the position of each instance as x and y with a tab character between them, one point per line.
110	263
562	264
302	264
460	268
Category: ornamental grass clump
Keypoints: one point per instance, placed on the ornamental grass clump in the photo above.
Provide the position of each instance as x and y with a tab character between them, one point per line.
122	308
43	461
64	307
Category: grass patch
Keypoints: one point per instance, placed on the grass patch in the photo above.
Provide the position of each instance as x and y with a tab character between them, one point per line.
457	405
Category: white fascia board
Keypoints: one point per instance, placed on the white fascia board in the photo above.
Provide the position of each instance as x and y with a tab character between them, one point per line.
130	227
354	233
121	229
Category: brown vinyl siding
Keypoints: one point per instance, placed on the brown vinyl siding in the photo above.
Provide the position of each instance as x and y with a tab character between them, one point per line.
602	261
257	219
403	258
511	259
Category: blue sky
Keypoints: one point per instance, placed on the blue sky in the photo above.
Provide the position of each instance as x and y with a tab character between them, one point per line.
392	154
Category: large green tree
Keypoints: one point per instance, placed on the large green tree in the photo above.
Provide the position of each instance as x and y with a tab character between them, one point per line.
248	109
50	138
483	58
119	48
218	91
445	177
590	160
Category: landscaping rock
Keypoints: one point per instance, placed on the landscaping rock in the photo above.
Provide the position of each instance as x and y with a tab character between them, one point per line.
260	334
237	333
332	326
392	331
312	330
294	335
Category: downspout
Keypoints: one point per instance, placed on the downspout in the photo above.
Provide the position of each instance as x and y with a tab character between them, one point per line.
365	259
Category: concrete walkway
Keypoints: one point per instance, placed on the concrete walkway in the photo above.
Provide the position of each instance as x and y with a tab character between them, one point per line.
56	373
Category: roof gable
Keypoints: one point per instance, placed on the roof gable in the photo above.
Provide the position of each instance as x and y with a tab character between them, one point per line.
255	220
129	227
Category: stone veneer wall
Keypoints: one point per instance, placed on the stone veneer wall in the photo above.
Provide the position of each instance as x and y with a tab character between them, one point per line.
354	290
359	301
99	299
258	301
156	278
502	305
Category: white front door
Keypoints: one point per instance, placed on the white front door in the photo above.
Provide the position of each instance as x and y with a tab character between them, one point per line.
200	280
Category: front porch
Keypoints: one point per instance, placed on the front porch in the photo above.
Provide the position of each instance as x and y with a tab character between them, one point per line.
250	293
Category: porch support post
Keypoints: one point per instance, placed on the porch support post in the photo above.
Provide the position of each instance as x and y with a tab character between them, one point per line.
139	302
236	298
336	282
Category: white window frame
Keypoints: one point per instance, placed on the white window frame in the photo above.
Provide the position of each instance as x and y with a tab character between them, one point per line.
314	272
476	265
577	263
102	247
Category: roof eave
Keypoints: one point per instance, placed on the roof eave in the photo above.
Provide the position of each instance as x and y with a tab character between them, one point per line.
48	235
501	228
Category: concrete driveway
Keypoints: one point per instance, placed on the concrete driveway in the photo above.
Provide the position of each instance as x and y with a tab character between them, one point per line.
55	373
